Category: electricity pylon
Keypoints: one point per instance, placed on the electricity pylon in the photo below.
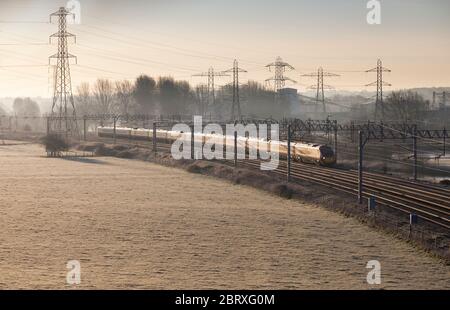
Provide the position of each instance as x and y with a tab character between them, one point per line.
63	107
236	97
279	80
211	92
320	87
442	97
379	84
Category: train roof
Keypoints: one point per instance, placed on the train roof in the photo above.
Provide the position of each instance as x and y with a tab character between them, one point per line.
283	142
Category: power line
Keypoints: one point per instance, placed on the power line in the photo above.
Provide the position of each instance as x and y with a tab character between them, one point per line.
155	45
16	54
22	66
98	69
132	60
23	75
183	38
22	22
21	44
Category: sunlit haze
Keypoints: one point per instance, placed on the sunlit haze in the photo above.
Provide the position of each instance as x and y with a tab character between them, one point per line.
122	39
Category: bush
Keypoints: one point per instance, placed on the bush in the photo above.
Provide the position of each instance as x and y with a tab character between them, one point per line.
54	143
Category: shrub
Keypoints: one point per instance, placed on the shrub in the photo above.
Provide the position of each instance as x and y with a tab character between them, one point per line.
54	143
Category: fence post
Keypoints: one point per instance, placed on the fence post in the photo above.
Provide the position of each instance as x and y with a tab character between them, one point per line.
328	129
192	142
352	131
289	153
381	131
84	127
415	152
445	134
360	168
154	138
235	148
335	139
372	204
115	123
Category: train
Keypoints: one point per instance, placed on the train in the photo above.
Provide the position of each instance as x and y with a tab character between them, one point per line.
318	154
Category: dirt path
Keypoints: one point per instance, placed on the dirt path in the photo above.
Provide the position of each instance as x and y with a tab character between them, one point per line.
133	224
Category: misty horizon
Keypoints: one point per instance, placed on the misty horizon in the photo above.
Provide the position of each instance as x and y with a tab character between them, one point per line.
116	42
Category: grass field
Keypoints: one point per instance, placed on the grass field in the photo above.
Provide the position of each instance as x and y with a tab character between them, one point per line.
134	224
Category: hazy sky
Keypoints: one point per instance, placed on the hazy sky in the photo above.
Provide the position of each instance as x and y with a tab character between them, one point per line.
121	39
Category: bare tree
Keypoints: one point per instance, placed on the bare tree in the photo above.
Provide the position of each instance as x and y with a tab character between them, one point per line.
124	93
201	96
259	101
2	110
83	100
104	96
23	109
26	107
405	106
144	92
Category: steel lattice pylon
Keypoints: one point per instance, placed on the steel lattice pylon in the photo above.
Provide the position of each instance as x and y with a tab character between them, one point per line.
236	113
279	79
379	84
320	87
442	98
211	92
63	119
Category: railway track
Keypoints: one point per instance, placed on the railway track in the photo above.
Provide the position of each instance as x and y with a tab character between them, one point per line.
430	203
433	207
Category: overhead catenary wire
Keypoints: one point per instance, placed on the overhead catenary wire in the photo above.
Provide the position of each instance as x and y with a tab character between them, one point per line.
417	136
133	40
134	60
396	162
154	45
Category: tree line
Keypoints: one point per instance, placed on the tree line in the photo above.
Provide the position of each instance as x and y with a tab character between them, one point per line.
143	96
167	96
